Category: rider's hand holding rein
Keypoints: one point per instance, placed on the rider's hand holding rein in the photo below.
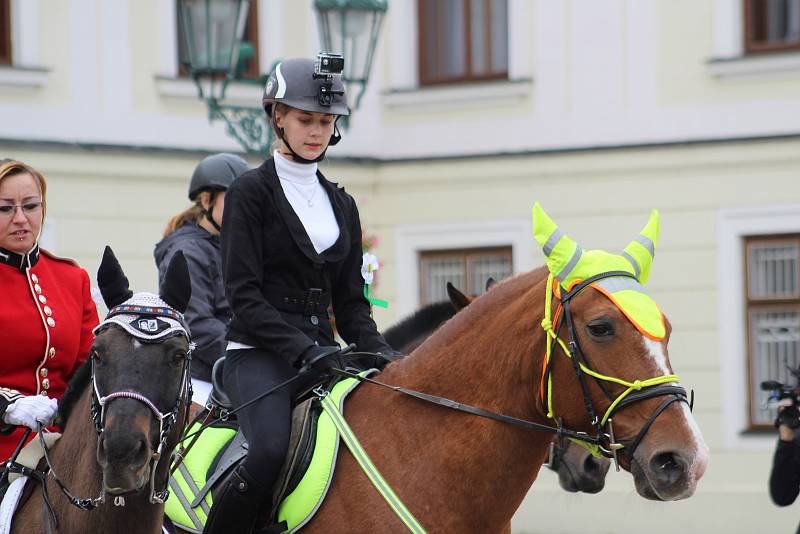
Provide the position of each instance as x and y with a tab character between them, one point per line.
31	411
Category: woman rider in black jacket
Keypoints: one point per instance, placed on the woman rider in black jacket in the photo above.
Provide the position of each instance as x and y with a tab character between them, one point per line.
291	245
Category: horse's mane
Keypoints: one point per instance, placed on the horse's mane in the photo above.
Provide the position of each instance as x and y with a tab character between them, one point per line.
420	323
495	303
77	385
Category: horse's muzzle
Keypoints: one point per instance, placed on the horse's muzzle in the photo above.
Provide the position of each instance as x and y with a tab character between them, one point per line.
125	461
666	475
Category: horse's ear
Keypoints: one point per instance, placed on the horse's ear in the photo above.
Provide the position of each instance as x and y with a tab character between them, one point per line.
562	252
458	299
112	281
642	249
176	289
490	283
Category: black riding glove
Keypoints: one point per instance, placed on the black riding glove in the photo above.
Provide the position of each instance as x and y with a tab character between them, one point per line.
325	359
789	416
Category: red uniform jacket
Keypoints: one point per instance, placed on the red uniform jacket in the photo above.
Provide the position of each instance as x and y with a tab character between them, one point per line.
46	319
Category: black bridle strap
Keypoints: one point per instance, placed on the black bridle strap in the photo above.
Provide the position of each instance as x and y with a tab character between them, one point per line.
629	450
461	407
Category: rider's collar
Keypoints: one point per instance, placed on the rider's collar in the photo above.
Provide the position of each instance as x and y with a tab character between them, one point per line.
20	261
147	318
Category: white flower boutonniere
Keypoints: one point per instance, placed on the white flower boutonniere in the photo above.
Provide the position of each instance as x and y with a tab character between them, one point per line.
369	265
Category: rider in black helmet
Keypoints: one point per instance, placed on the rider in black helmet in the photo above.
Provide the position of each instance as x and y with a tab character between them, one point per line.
195	232
291	246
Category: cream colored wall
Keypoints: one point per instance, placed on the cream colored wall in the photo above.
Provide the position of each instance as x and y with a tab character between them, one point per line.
602	199
121	199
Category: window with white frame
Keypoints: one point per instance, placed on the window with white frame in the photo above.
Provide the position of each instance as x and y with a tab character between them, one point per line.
462	40
772	293
771	25
248	67
5	32
468	270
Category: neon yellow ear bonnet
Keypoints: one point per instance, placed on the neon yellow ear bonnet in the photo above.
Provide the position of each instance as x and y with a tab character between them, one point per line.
570	264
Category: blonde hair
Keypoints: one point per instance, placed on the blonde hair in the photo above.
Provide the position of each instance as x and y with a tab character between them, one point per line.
12	167
195	213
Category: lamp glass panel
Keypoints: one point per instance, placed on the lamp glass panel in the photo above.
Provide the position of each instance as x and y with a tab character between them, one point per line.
212	28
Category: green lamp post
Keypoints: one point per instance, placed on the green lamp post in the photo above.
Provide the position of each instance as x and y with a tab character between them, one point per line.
213	32
351	28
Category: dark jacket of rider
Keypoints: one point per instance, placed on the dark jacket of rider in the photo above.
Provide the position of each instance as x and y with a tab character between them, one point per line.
208	313
270	263
784	480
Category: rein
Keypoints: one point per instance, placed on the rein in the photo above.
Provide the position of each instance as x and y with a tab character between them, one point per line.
603	442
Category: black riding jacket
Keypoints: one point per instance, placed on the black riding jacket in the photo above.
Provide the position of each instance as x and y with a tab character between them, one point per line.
278	286
208	312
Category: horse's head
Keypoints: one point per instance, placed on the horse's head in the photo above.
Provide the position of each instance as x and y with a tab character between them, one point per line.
140	369
617	337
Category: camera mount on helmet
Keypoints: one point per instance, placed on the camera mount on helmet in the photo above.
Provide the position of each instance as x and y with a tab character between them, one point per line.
326	67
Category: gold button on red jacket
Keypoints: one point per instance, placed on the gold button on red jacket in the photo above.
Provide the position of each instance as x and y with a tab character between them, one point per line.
27	338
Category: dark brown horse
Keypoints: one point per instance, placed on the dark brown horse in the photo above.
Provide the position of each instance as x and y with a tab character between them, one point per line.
578	470
134	388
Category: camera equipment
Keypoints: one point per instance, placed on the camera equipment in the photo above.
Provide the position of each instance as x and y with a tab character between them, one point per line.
790	415
327	66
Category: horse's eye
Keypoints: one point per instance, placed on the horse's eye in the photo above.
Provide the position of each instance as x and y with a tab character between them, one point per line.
178	356
96	357
600	329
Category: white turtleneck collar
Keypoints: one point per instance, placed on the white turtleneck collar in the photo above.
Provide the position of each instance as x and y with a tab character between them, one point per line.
299	173
308	200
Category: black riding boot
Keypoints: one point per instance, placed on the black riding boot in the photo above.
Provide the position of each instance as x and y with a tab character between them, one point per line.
237	508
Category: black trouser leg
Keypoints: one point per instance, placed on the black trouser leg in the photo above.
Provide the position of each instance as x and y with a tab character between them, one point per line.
237	507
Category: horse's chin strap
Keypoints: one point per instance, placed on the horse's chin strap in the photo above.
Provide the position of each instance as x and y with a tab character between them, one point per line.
605	443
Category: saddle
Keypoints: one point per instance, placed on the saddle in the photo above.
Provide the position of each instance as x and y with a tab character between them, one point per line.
304	477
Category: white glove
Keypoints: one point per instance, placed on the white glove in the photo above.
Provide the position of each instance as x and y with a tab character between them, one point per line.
29	411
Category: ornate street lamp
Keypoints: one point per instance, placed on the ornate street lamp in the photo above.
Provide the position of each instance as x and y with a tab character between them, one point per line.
213	32
351	28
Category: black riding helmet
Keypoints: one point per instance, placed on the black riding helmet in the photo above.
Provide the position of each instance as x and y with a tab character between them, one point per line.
294	82
215	173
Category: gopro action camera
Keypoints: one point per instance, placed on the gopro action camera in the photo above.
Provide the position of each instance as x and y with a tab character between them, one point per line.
328	64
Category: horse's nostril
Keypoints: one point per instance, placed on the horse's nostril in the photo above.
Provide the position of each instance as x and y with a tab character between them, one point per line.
668	467
591	465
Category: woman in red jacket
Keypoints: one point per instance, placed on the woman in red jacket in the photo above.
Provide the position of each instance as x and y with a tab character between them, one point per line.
46	314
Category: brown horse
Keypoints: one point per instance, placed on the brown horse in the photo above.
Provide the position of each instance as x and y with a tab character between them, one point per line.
457	472
578	470
119	451
461	473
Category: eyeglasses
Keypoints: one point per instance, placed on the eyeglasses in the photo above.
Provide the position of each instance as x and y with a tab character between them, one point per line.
28	208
